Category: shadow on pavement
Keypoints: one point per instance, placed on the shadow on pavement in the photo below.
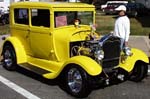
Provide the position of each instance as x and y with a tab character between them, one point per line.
52	82
55	82
36	76
58	81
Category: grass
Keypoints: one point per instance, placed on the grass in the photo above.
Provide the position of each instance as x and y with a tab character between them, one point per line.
4	29
105	24
139	25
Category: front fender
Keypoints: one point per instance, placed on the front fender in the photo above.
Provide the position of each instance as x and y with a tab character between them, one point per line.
129	63
88	64
19	49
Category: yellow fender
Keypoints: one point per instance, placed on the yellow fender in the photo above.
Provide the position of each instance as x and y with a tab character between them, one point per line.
19	49
88	64
129	63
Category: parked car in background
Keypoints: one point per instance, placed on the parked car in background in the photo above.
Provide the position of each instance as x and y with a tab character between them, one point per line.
5	4
98	4
136	9
109	2
4	16
110	9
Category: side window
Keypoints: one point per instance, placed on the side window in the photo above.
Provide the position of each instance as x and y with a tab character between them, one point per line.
21	16
40	17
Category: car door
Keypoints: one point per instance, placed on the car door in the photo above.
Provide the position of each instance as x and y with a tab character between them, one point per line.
40	35
20	29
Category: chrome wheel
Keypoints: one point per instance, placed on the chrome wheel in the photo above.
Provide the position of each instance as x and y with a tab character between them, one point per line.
74	80
77	81
8	59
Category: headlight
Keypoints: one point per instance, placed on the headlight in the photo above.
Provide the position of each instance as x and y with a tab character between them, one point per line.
99	54
127	51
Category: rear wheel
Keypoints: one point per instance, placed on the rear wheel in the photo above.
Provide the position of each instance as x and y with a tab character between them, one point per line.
9	58
139	72
77	83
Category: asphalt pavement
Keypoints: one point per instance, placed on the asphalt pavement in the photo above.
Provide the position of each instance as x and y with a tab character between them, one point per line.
140	42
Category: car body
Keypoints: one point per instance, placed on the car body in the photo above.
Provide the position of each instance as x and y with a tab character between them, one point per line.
58	40
110	9
136	9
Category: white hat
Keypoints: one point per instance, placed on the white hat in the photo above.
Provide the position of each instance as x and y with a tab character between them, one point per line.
121	7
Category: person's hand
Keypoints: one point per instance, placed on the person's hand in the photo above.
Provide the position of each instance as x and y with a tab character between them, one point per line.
126	43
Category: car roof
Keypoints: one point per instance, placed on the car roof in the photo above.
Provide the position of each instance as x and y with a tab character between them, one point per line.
52	4
116	4
135	4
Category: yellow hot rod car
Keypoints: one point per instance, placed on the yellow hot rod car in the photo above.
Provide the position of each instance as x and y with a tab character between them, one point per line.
58	40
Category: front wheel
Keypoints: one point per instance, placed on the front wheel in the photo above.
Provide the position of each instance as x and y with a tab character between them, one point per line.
139	72
9	58
77	83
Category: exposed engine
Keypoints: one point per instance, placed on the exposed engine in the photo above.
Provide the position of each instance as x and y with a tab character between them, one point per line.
88	48
106	51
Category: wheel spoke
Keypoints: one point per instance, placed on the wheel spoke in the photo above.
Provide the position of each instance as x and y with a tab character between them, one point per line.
74	80
8	58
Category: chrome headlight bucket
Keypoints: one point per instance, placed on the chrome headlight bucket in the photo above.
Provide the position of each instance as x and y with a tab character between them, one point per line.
127	51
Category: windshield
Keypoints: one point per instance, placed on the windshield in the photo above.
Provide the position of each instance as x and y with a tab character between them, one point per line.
68	17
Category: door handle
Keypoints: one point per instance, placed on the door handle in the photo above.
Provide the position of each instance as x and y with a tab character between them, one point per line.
28	30
28	33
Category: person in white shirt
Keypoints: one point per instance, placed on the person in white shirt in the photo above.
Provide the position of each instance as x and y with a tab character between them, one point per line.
122	26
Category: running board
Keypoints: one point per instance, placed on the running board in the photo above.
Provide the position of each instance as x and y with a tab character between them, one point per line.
35	69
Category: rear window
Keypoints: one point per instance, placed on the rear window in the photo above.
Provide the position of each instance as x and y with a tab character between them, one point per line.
21	16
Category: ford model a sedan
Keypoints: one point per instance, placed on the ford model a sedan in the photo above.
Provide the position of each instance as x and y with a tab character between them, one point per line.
59	40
